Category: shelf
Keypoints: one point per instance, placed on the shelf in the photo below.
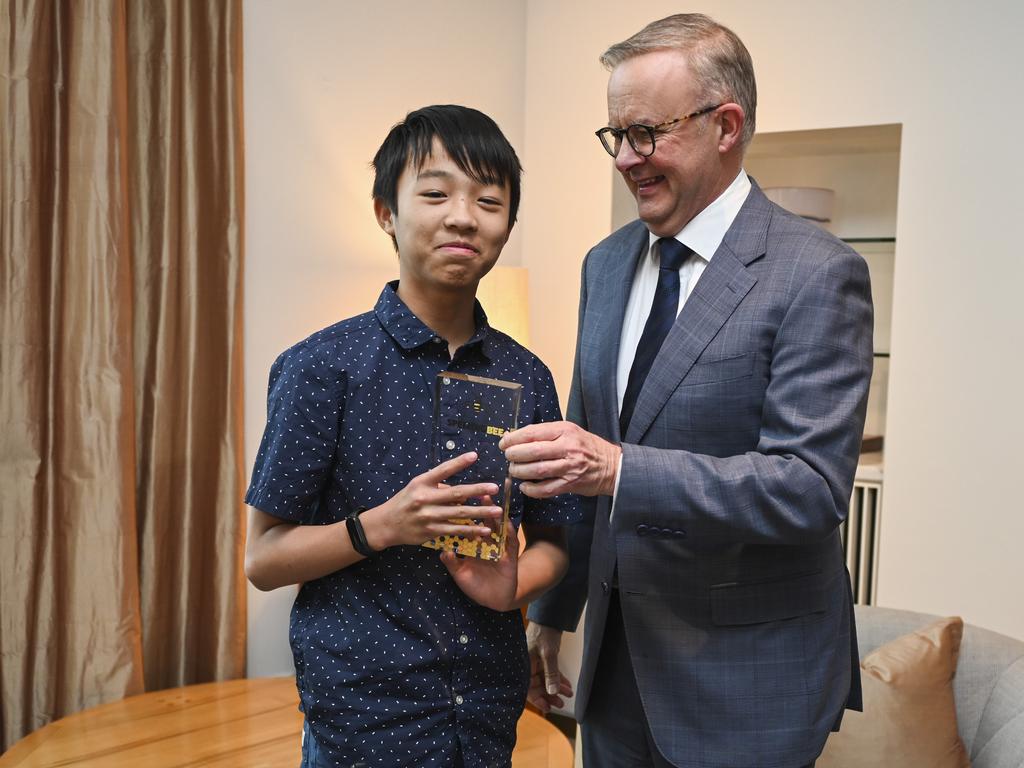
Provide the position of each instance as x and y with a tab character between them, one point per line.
856	140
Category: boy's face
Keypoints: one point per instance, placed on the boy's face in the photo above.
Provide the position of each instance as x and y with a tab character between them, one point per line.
450	228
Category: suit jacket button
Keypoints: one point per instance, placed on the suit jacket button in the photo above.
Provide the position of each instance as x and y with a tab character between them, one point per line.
605	588
641	530
680	534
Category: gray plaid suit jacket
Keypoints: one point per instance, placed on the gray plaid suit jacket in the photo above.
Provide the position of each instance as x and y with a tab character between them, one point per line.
737	470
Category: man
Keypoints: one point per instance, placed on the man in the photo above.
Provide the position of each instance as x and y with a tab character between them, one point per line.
402	657
717	447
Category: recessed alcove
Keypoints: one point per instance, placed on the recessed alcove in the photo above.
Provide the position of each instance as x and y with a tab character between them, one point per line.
861	165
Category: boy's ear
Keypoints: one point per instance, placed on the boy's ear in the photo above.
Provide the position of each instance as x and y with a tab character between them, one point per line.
385	217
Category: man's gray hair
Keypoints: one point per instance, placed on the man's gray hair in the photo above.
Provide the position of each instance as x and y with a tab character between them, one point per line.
718	59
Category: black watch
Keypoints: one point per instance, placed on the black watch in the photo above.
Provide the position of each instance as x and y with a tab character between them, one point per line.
358	535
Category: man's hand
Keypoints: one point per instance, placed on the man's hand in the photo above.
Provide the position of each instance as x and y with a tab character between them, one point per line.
559	457
492	585
426	506
547	684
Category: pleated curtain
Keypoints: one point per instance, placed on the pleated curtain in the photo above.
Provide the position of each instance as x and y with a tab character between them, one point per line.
121	472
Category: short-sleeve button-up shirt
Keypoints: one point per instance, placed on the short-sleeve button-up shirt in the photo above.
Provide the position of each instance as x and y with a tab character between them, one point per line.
395	666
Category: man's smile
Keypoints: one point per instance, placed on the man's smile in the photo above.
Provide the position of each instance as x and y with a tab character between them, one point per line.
647	183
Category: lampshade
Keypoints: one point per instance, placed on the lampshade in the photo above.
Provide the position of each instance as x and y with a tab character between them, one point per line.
814	203
504	295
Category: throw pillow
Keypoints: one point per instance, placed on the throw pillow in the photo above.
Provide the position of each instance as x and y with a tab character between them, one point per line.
909	717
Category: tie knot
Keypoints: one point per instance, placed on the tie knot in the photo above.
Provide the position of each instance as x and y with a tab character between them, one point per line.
673	253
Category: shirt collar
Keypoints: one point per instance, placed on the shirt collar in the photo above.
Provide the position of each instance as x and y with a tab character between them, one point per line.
705	231
410	332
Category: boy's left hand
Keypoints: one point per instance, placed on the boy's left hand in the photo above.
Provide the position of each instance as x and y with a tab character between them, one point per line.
491	584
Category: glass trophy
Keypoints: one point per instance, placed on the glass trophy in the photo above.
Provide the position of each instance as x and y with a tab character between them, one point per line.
471	413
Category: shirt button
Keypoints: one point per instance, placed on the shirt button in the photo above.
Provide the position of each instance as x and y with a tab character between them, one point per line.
438	340
446	380
459	699
450	445
463	639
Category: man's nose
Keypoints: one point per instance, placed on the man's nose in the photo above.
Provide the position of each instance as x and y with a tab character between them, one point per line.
627	157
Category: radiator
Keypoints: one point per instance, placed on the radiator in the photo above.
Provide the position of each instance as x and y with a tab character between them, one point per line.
860	535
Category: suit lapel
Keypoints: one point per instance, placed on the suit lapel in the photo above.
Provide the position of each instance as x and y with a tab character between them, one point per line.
606	311
722	286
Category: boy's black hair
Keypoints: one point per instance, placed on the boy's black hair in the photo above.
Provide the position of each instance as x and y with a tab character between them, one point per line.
472	140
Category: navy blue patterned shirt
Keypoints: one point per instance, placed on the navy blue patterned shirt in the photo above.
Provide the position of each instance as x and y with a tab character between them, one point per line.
395	665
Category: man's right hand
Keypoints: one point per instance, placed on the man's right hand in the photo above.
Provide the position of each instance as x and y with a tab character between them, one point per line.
547	684
558	457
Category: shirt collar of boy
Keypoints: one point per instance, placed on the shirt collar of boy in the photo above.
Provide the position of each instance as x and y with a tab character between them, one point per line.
410	332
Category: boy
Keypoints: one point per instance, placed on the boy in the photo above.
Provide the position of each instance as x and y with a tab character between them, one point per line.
404	657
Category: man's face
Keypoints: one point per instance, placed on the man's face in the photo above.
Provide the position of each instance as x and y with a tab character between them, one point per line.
449	227
685	172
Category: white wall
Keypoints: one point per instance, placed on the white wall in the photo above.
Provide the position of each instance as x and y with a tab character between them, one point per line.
949	73
324	82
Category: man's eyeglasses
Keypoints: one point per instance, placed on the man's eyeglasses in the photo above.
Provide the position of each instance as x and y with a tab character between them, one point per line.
640	136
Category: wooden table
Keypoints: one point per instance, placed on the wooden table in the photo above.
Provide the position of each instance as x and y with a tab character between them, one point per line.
244	723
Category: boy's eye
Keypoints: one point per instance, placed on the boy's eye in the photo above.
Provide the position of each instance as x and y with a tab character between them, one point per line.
490	201
433	193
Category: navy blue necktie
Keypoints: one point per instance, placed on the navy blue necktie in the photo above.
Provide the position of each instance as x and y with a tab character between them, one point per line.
663	314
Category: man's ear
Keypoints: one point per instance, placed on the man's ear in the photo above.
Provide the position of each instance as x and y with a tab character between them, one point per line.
731	118
385	216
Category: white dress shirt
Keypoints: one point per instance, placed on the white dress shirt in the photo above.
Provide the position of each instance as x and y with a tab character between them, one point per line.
703	234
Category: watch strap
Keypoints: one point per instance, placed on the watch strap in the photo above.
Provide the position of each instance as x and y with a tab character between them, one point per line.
358	535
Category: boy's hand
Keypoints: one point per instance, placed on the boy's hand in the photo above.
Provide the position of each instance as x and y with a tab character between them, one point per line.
491	584
423	509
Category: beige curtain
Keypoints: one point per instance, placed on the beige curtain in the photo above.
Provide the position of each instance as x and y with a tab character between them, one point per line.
120	351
